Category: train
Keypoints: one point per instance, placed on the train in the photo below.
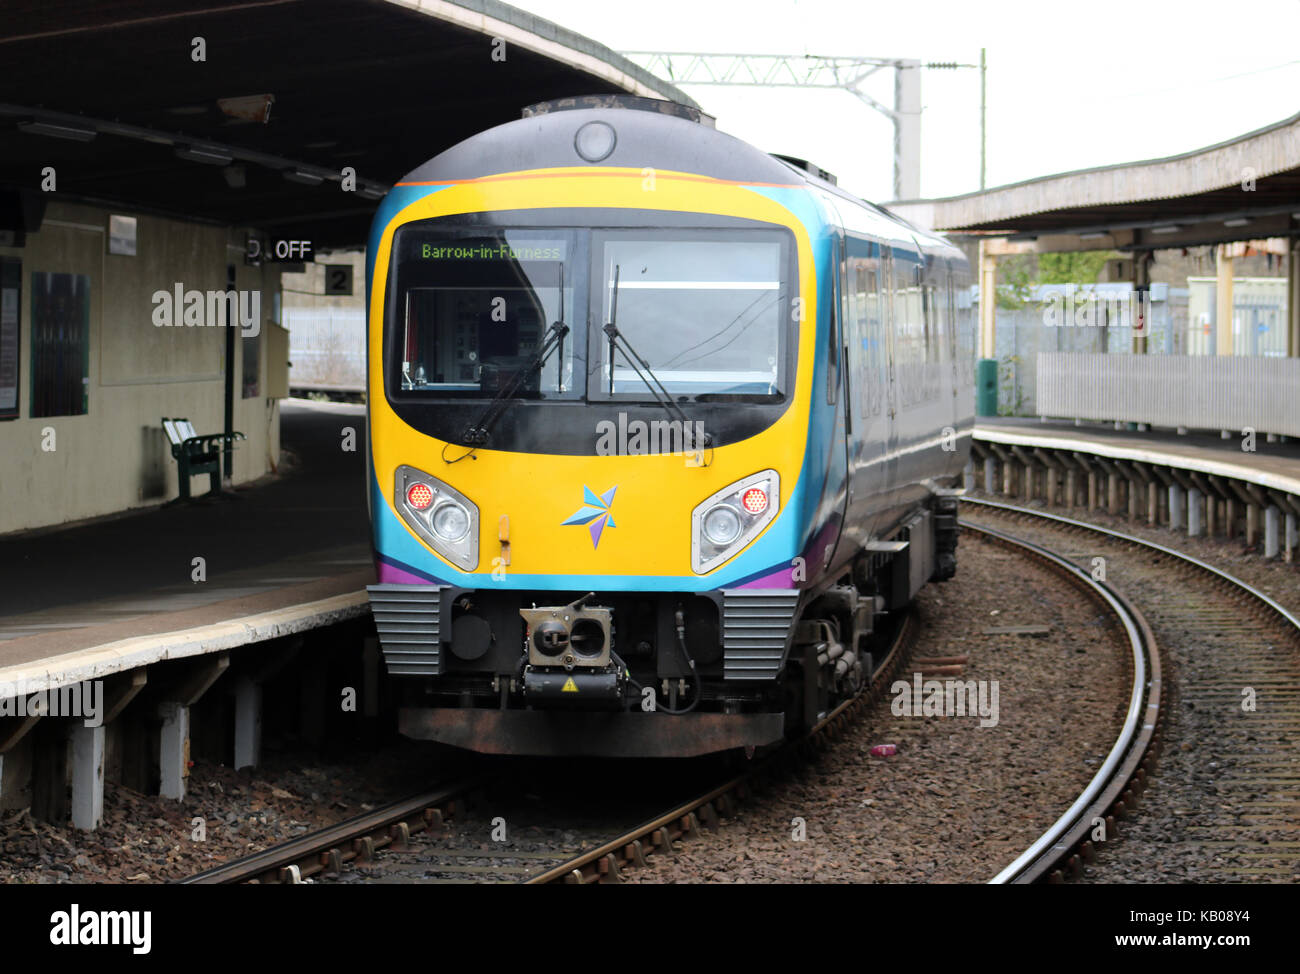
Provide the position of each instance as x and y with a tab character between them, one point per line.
662	427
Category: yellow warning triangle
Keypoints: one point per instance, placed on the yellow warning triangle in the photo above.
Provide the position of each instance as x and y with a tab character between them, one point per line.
569	686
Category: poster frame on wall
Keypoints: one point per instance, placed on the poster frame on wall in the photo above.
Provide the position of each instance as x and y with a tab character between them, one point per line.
11	336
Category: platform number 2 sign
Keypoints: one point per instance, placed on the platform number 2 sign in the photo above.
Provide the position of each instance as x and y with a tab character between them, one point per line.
338	279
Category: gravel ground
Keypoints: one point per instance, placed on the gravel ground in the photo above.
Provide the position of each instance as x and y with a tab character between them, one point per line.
148	839
957	801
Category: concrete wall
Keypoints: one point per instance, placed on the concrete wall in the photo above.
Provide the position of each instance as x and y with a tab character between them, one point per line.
305	289
116	456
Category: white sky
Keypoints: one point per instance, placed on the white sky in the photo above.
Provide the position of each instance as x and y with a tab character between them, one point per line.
1069	87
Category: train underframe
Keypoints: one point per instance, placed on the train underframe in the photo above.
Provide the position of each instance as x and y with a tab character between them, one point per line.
651	674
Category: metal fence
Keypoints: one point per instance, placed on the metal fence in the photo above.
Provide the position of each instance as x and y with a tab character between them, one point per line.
1195	391
1258	316
1076	318
327	348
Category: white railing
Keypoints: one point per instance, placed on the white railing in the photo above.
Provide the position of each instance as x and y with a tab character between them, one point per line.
1198	392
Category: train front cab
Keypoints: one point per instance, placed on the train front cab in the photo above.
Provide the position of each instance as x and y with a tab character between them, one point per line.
564	584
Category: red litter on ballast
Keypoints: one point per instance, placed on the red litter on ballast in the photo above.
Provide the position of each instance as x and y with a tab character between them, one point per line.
884	750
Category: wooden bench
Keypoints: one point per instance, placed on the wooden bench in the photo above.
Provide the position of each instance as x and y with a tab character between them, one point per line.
195	454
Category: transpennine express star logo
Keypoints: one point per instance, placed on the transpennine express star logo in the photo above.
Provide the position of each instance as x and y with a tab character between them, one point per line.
595	513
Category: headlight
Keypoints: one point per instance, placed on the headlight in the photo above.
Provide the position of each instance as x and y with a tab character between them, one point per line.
442	516
722	525
733	517
450	521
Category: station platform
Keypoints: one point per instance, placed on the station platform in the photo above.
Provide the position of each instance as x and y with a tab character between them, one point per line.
286	553
1273	464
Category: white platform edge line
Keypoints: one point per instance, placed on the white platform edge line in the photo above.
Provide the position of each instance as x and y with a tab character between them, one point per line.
1218	469
96	662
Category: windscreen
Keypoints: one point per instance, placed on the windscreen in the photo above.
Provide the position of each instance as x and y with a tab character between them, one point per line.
705	311
708	310
473	309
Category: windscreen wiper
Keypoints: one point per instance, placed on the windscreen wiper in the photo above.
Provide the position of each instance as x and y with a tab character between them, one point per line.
618	342
476	433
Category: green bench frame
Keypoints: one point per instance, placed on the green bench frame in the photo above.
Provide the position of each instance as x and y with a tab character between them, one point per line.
195	454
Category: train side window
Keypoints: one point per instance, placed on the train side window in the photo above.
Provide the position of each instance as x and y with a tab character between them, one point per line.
950	318
858	338
915	333
887	292
832	330
941	312
936	310
888	314
898	311
871	335
907	313
927	319
855	336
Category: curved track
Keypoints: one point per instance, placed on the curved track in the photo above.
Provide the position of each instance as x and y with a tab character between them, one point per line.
1069	840
1225	644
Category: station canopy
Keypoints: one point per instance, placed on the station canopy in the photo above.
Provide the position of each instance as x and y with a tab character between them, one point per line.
246	113
1242	189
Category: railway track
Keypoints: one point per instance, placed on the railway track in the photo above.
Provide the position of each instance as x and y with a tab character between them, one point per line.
353	840
657	835
429	821
1226	659
1074	837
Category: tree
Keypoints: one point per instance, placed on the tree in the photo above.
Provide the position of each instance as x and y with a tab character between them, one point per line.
1016	277
1079	267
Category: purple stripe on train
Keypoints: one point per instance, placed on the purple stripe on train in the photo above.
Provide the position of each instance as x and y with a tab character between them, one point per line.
390	574
781	578
814	554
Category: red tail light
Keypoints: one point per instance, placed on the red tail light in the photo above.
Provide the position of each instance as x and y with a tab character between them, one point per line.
755	500
419	496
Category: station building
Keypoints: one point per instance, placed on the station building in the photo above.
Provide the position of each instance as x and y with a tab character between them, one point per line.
90	365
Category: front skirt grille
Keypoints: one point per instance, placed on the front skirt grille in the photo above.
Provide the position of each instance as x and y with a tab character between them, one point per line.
408	620
756	625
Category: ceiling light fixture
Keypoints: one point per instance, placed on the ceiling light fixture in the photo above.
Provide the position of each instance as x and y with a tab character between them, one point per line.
210	155
304	176
57	130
